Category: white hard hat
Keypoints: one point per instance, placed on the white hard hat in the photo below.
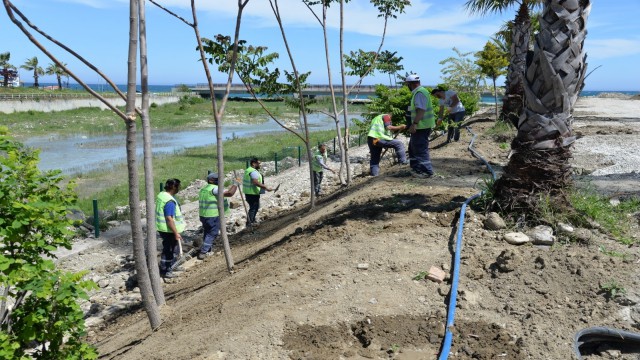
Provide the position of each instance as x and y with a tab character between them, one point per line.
412	77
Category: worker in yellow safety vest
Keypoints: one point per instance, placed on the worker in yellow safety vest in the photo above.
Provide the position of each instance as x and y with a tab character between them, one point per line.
253	186
380	136
209	215
170	224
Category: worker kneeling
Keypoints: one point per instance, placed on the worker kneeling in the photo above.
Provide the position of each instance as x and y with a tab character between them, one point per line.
380	137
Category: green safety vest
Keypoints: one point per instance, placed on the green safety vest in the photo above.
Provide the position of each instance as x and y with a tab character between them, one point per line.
161	223
428	120
209	202
377	129
316	161
247	185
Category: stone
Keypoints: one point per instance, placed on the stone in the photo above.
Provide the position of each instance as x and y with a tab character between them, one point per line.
563	228
363	266
436	274
494	222
542	235
583	235
516	238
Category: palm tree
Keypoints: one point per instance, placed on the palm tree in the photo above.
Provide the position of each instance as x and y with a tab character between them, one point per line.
32	65
54	69
6	69
520	35
539	167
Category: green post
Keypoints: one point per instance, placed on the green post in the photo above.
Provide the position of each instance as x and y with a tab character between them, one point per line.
161	186
299	155
358	139
276	160
96	220
334	146
246	167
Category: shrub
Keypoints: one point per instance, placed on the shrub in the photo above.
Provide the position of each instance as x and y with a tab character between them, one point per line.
33	225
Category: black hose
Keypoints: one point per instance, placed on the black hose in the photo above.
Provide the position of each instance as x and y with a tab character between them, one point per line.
628	340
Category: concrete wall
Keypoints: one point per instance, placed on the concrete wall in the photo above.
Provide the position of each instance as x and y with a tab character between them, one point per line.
11	106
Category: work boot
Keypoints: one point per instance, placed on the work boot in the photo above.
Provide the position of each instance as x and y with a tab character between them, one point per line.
202	256
169	275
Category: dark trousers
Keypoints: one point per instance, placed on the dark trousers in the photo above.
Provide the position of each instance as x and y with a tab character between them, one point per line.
317	180
211	227
454	126
169	249
419	159
254	205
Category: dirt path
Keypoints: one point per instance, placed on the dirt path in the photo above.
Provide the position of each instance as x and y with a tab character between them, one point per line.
339	282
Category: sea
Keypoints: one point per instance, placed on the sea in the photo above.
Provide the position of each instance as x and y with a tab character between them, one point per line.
168	88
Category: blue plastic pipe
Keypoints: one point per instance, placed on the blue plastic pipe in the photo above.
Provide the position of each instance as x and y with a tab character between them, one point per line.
453	295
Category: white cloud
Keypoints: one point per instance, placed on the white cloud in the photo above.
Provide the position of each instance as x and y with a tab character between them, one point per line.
98	4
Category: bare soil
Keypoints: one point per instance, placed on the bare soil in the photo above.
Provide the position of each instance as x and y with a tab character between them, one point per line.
339	282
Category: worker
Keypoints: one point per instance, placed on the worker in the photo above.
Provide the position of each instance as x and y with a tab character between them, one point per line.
422	122
253	186
170	225
320	164
209	216
380	137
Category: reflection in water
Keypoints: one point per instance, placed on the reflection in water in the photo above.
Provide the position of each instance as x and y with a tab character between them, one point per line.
81	153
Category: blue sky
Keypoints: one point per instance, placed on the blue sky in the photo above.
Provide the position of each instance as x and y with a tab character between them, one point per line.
424	35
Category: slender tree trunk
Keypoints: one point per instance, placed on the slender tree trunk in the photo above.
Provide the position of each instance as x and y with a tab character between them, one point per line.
345	102
333	94
142	271
59	82
149	184
495	96
539	166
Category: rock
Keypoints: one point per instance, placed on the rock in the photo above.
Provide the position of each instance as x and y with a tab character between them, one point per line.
363	266
582	235
542	235
436	274
103	283
494	222
516	238
234	204
564	229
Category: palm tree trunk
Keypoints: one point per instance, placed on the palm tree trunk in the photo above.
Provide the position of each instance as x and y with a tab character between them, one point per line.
513	101
553	81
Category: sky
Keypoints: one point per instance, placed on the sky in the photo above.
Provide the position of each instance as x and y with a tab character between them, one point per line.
424	35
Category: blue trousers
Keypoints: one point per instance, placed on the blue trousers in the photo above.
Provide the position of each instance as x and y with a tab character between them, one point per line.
211	227
376	152
419	159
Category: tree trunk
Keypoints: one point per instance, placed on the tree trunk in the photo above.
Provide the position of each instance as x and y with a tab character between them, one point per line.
59	78
513	101
149	184
495	96
540	166
345	103
333	94
142	270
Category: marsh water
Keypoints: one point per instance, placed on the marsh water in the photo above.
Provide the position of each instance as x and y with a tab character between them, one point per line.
84	153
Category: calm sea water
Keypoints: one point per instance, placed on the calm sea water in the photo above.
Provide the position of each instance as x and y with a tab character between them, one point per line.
488	99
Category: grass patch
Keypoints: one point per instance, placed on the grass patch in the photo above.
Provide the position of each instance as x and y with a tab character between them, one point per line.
110	187
614	219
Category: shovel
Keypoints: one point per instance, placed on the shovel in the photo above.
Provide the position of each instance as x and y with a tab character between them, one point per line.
183	257
276	189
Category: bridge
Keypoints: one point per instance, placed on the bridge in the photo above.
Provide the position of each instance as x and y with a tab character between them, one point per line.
311	91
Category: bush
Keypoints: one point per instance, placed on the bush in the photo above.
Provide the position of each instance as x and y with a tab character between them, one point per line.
33	225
